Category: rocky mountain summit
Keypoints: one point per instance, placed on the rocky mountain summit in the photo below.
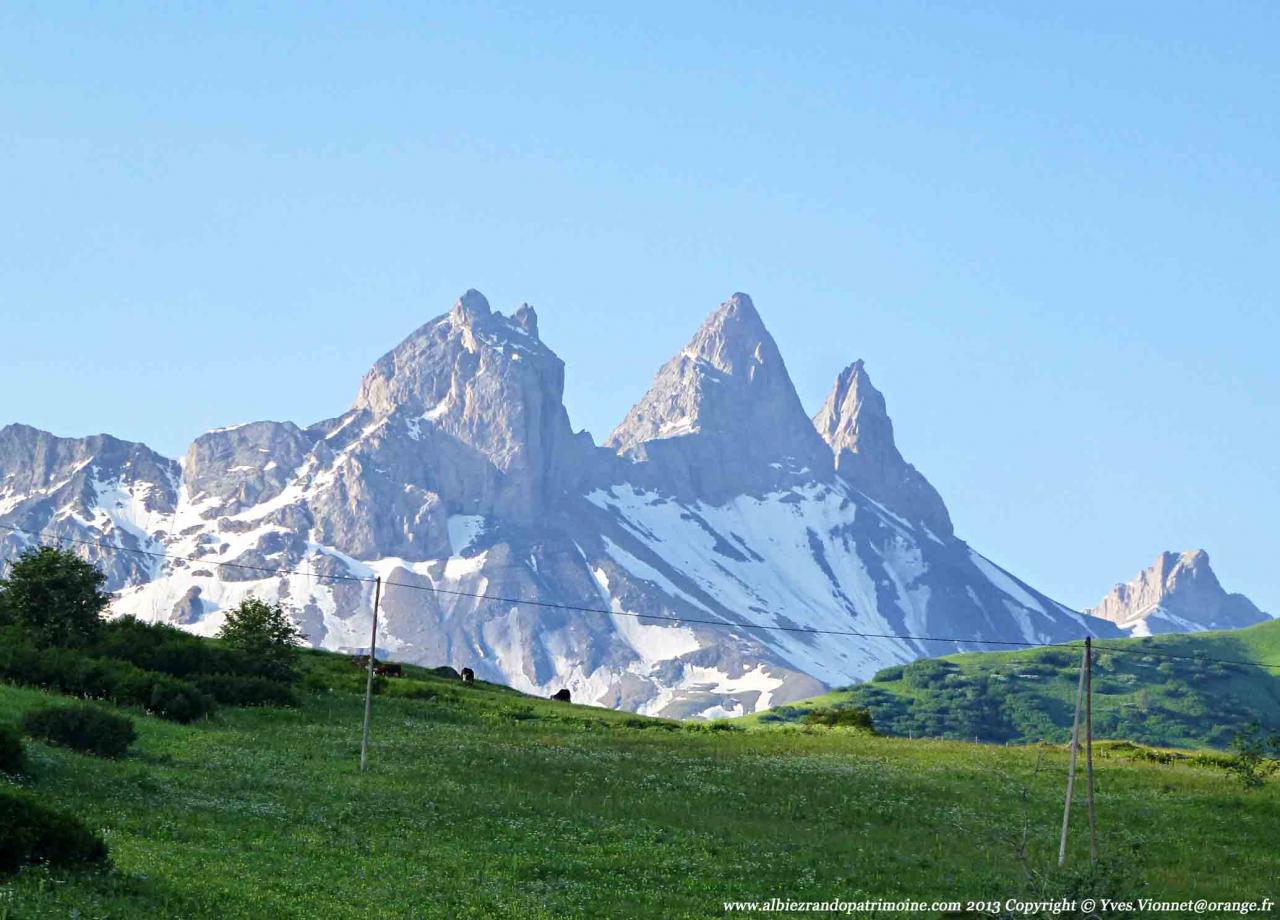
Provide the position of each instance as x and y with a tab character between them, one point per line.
722	417
1178	593
854	422
774	555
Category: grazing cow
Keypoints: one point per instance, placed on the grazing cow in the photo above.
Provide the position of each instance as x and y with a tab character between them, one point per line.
388	670
468	676
561	695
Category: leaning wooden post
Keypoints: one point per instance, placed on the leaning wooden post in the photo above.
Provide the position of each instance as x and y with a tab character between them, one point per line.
368	686
1071	769
1088	736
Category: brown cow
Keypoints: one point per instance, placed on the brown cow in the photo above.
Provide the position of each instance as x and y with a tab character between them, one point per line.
388	670
468	676
561	695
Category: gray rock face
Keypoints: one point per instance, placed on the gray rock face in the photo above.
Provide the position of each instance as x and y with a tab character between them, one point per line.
86	489
511	545
1178	593
722	418
855	423
489	383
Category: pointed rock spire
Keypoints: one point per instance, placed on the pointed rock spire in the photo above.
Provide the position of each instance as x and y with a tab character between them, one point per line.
471	308
1177	593
855	422
527	319
723	415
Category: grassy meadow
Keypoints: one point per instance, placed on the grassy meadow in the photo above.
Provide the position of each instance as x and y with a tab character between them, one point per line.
482	803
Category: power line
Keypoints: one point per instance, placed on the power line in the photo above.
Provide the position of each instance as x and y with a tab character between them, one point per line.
574	608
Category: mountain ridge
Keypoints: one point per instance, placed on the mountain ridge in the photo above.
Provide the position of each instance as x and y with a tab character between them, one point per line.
456	470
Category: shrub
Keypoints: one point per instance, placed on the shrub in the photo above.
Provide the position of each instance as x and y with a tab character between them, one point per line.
11	759
239	690
86	729
178	700
887	674
163	648
54	597
73	672
31	833
928	672
850	718
264	634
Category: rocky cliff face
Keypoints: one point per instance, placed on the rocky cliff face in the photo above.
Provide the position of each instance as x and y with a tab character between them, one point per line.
855	422
456	477
97	489
1178	593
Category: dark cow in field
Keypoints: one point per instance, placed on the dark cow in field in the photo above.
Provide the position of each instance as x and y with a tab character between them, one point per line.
468	676
561	695
388	670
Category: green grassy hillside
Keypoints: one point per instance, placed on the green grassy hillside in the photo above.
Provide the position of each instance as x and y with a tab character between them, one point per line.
1029	695
481	802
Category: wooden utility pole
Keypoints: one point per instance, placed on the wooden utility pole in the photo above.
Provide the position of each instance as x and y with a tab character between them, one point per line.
1075	750
1088	736
368	686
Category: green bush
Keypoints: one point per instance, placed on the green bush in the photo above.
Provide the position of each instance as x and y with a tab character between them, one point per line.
163	648
928	672
178	700
30	833
11	758
889	674
75	673
849	718
241	690
86	729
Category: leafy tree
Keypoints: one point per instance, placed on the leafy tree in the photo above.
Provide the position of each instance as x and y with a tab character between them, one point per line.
265	635
1254	755
54	597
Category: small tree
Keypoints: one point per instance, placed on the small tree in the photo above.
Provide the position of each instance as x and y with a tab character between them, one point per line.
265	634
54	596
1254	755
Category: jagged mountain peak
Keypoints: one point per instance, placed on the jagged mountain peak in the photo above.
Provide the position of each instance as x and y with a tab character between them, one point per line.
479	381
723	416
733	339
456	471
855	423
471	341
471	308
527	319
1179	592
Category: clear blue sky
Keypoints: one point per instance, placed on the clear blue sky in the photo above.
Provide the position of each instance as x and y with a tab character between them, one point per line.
1052	230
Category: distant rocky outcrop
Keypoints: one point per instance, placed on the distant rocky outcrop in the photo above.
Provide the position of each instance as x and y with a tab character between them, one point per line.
1178	593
